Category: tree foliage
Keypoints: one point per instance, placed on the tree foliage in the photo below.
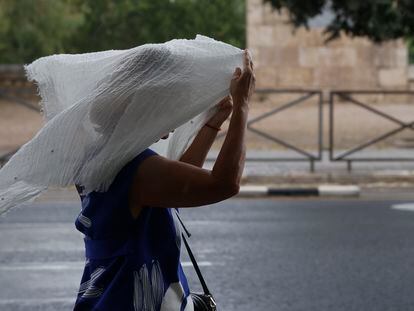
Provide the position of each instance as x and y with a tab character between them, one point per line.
29	29
127	23
378	20
33	28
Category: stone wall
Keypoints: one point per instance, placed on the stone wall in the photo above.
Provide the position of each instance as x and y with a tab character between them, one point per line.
289	58
14	82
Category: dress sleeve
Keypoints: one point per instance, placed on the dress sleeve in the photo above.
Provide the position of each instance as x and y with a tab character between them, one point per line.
132	166
125	177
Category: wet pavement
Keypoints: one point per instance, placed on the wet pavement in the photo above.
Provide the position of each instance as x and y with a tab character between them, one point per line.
281	254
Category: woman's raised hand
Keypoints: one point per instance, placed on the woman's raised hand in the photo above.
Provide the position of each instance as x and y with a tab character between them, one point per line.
225	107
167	183
243	82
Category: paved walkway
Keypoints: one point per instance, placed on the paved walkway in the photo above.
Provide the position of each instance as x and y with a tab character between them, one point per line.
379	174
298	172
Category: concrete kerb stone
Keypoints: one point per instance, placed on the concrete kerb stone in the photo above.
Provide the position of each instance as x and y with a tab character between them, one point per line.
339	190
321	190
357	178
249	191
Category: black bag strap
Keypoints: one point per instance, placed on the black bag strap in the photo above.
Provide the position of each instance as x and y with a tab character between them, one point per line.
191	255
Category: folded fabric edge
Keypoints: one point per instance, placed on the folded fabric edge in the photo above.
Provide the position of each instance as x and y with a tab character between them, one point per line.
30	196
32	77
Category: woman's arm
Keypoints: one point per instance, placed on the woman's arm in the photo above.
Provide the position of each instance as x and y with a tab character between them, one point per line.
197	152
230	161
166	183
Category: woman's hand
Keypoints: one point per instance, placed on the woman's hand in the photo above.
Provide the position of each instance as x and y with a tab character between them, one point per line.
243	82
225	107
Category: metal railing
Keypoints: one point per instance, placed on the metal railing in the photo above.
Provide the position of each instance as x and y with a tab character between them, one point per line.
303	96
346	95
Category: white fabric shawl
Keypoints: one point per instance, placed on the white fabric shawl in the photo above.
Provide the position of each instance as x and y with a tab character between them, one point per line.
102	109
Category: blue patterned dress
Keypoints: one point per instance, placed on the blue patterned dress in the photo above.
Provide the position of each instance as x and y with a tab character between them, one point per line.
131	264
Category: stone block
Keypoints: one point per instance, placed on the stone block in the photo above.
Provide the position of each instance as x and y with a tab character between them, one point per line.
410	73
342	57
401	57
324	56
345	41
365	55
411	87
393	77
284	35
309	56
279	56
251	3
261	36
287	56
273	17
391	54
265	57
345	77
294	77
266	77
254	15
309	37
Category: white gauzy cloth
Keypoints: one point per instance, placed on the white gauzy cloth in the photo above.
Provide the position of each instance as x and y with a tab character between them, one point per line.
102	109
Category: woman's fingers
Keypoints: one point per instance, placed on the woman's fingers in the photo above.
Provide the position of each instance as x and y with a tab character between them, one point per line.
226	105
246	60
225	100
237	73
243	81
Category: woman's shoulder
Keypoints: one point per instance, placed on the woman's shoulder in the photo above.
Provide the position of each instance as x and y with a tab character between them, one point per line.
128	168
139	158
147	152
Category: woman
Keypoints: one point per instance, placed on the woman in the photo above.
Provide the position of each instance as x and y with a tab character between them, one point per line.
132	238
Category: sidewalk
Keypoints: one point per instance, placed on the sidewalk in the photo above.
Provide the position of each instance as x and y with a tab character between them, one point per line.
297	173
389	174
373	178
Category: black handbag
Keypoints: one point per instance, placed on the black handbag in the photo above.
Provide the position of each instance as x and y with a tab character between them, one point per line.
202	301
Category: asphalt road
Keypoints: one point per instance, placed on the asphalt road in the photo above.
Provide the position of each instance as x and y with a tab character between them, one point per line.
256	254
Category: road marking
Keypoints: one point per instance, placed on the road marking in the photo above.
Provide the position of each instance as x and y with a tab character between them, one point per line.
253	190
404	207
74	265
338	190
71	265
200	263
21	302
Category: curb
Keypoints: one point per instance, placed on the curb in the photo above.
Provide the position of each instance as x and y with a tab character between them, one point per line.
321	191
